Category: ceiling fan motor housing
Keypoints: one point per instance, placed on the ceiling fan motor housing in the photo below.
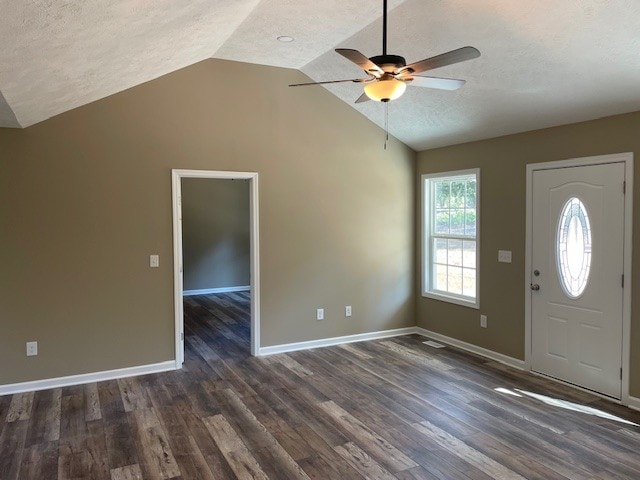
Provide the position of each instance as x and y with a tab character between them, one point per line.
389	62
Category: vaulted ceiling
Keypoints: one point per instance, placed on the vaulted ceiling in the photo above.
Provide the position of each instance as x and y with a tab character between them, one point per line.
543	63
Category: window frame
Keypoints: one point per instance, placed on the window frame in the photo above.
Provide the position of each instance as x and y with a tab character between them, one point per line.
427	243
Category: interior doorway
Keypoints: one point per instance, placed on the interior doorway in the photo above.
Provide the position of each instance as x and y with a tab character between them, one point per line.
578	328
191	282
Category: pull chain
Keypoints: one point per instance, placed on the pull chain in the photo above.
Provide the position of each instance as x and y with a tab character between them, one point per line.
386	124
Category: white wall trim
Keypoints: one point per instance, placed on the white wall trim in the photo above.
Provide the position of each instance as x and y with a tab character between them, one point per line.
469	347
178	286
328	342
209	291
633	402
361	337
627	159
59	382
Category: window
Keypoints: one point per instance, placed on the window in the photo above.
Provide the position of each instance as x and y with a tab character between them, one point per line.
573	247
450	236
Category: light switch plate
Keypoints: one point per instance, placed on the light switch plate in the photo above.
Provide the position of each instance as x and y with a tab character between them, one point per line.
504	256
320	314
154	261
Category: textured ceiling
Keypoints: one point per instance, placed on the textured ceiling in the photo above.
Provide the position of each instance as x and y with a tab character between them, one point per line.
543	63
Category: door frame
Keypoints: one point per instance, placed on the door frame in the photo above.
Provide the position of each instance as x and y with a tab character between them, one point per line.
627	159
176	193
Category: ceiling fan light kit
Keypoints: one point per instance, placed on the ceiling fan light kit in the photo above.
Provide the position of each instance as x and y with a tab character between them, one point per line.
385	90
388	75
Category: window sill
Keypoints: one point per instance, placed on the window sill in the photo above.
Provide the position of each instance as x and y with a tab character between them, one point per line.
450	299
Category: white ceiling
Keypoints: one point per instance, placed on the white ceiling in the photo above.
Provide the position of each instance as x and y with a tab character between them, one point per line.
543	63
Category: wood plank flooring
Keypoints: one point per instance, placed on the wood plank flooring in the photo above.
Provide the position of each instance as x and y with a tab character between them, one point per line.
387	409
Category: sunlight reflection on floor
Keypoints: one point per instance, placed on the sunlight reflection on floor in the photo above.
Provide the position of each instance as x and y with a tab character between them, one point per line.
567	405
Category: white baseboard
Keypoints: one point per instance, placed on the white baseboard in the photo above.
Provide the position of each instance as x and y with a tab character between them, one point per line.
469	347
36	385
327	342
634	402
360	337
209	291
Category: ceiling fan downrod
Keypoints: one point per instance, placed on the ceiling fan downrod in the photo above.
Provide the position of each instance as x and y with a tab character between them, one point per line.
391	62
384	27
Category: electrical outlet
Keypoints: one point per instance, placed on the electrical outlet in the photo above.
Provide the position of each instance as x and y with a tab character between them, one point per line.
320	314
347	311
32	349
154	261
483	321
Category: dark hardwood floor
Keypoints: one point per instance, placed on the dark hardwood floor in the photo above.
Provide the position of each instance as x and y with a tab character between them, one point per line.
386	409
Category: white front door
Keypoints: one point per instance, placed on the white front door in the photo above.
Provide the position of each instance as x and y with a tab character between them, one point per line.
577	253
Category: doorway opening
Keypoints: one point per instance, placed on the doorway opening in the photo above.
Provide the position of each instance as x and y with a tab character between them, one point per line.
233	289
578	272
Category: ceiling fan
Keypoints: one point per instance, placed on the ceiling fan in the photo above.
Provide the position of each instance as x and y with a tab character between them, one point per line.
389	75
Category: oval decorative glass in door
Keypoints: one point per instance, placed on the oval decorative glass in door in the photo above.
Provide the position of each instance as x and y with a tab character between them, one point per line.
573	247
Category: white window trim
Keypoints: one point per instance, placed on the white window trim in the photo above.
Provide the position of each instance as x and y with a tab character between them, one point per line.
426	248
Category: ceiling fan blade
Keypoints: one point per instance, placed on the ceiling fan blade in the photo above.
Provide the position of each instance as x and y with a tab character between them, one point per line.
362	98
359	59
436	82
354	80
449	58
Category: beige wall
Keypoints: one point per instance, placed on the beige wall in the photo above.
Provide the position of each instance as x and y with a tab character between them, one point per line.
215	233
85	197
503	173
